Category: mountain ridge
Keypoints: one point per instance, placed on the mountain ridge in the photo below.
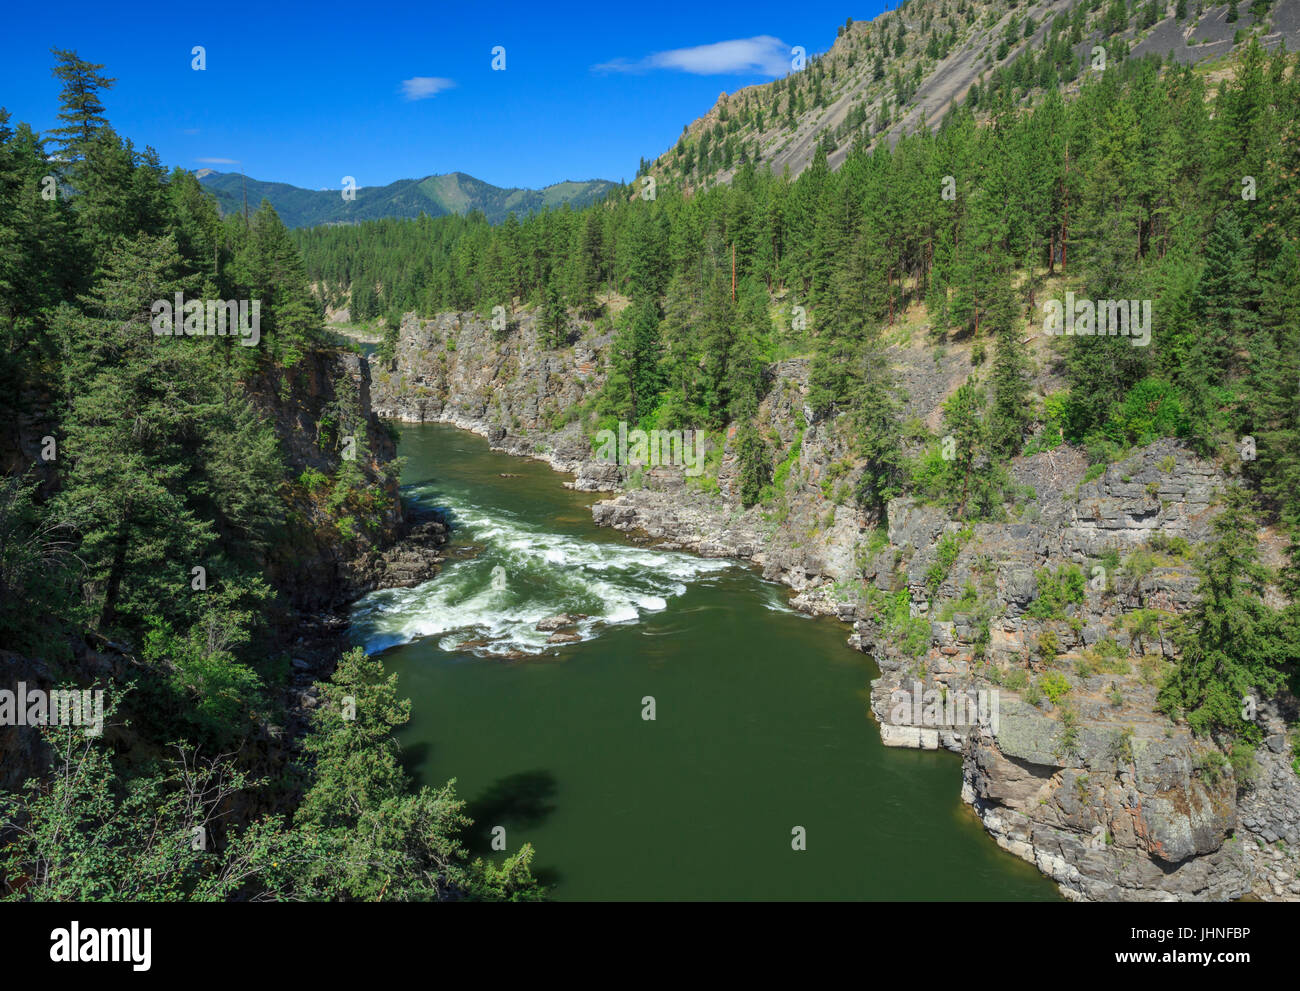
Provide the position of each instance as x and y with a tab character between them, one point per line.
434	195
882	78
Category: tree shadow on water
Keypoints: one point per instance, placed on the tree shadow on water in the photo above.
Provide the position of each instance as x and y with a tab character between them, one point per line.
413	758
517	801
547	877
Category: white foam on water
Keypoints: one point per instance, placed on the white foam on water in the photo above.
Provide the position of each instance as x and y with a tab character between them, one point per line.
545	574
775	604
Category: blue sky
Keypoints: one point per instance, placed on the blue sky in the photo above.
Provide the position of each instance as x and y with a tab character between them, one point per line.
309	94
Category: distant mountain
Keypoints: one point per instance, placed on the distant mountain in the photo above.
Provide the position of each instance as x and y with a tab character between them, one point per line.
434	195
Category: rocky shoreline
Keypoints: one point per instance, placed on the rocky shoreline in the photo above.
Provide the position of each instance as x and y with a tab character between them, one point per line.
1091	785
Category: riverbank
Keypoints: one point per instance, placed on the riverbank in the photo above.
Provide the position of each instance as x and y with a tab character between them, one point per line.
1107	799
669	751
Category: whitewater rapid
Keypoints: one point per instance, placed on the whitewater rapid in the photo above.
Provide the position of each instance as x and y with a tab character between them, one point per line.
490	604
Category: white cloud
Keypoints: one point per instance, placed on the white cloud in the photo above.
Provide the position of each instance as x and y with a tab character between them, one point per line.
423	87
764	55
218	161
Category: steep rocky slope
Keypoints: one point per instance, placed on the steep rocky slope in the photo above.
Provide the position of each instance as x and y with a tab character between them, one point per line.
456	369
335	550
1078	773
882	78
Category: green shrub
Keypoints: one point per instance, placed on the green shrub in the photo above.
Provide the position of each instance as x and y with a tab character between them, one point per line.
1151	410
311	479
1242	758
911	634
1120	746
1055	686
1173	546
1212	766
1049	644
1107	657
1069	717
1056	591
950	545
1016	679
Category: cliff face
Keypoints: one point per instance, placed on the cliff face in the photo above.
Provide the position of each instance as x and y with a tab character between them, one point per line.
341	539
1084	779
1078	773
456	369
336	547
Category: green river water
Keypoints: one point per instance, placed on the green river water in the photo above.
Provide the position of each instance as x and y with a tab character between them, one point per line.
761	714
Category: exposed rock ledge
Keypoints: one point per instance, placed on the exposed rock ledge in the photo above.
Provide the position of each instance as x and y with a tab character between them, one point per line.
1123	807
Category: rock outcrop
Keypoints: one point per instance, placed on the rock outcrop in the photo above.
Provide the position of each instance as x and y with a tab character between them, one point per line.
504	386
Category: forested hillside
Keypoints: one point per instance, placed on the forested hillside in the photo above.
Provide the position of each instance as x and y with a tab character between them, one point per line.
1146	186
433	196
167	500
911	66
170	499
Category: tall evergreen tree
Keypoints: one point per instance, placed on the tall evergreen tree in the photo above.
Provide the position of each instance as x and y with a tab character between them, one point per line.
1010	413
81	112
1233	645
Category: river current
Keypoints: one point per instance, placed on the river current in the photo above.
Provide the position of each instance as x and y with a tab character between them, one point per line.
761	741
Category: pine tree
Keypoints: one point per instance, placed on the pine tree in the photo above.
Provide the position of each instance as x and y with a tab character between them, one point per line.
1232	645
1010	412
964	423
270	269
755	460
555	318
636	361
875	419
128	438
1226	303
80	109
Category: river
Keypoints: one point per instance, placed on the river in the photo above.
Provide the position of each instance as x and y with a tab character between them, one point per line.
760	726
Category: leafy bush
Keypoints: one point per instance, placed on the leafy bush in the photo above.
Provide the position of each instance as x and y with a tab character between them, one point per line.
1055	686
1151	410
1069	717
1242	758
1056	590
1173	546
1049	644
950	545
1212	766
911	634
782	471
311	479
